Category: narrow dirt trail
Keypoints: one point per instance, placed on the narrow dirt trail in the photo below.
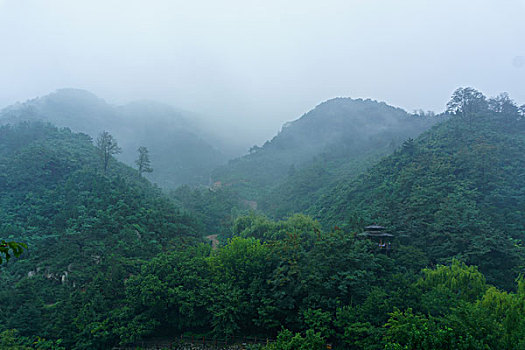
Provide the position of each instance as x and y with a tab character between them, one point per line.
214	241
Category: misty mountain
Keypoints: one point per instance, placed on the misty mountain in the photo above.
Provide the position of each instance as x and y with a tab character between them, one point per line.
338	138
457	191
84	229
112	262
179	155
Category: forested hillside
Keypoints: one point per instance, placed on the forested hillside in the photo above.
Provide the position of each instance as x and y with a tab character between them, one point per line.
178	155
111	261
86	233
455	192
338	138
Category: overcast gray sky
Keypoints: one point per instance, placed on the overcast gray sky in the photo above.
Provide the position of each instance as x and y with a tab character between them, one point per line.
261	63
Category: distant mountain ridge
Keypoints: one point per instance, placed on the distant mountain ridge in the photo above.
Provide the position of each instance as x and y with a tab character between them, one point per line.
336	133
178	154
456	191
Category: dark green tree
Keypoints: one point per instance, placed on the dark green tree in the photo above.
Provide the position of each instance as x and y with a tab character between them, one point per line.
143	162
107	146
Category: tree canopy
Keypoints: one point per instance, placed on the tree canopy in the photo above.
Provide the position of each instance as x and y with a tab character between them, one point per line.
113	261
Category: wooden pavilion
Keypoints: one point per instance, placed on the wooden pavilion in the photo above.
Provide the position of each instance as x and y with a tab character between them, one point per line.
377	234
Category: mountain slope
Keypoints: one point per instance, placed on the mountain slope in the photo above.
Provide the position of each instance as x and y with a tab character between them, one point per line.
177	154
86	232
336	139
456	191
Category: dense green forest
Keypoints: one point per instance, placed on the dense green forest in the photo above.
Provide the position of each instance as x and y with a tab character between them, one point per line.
180	150
338	138
111	260
86	231
456	191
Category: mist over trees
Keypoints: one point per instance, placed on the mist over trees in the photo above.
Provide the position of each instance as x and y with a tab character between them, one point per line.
339	138
277	246
268	175
182	151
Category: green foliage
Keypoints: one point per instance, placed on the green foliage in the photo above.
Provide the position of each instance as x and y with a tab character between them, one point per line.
170	292
180	151
320	321
114	262
11	340
214	210
262	228
324	287
286	340
508	310
463	313
241	261
239	271
454	192
337	139
467	327
464	281
250	287
11	248
87	233
354	331
409	331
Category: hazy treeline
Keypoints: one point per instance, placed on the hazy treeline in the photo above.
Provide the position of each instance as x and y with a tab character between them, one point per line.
112	260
